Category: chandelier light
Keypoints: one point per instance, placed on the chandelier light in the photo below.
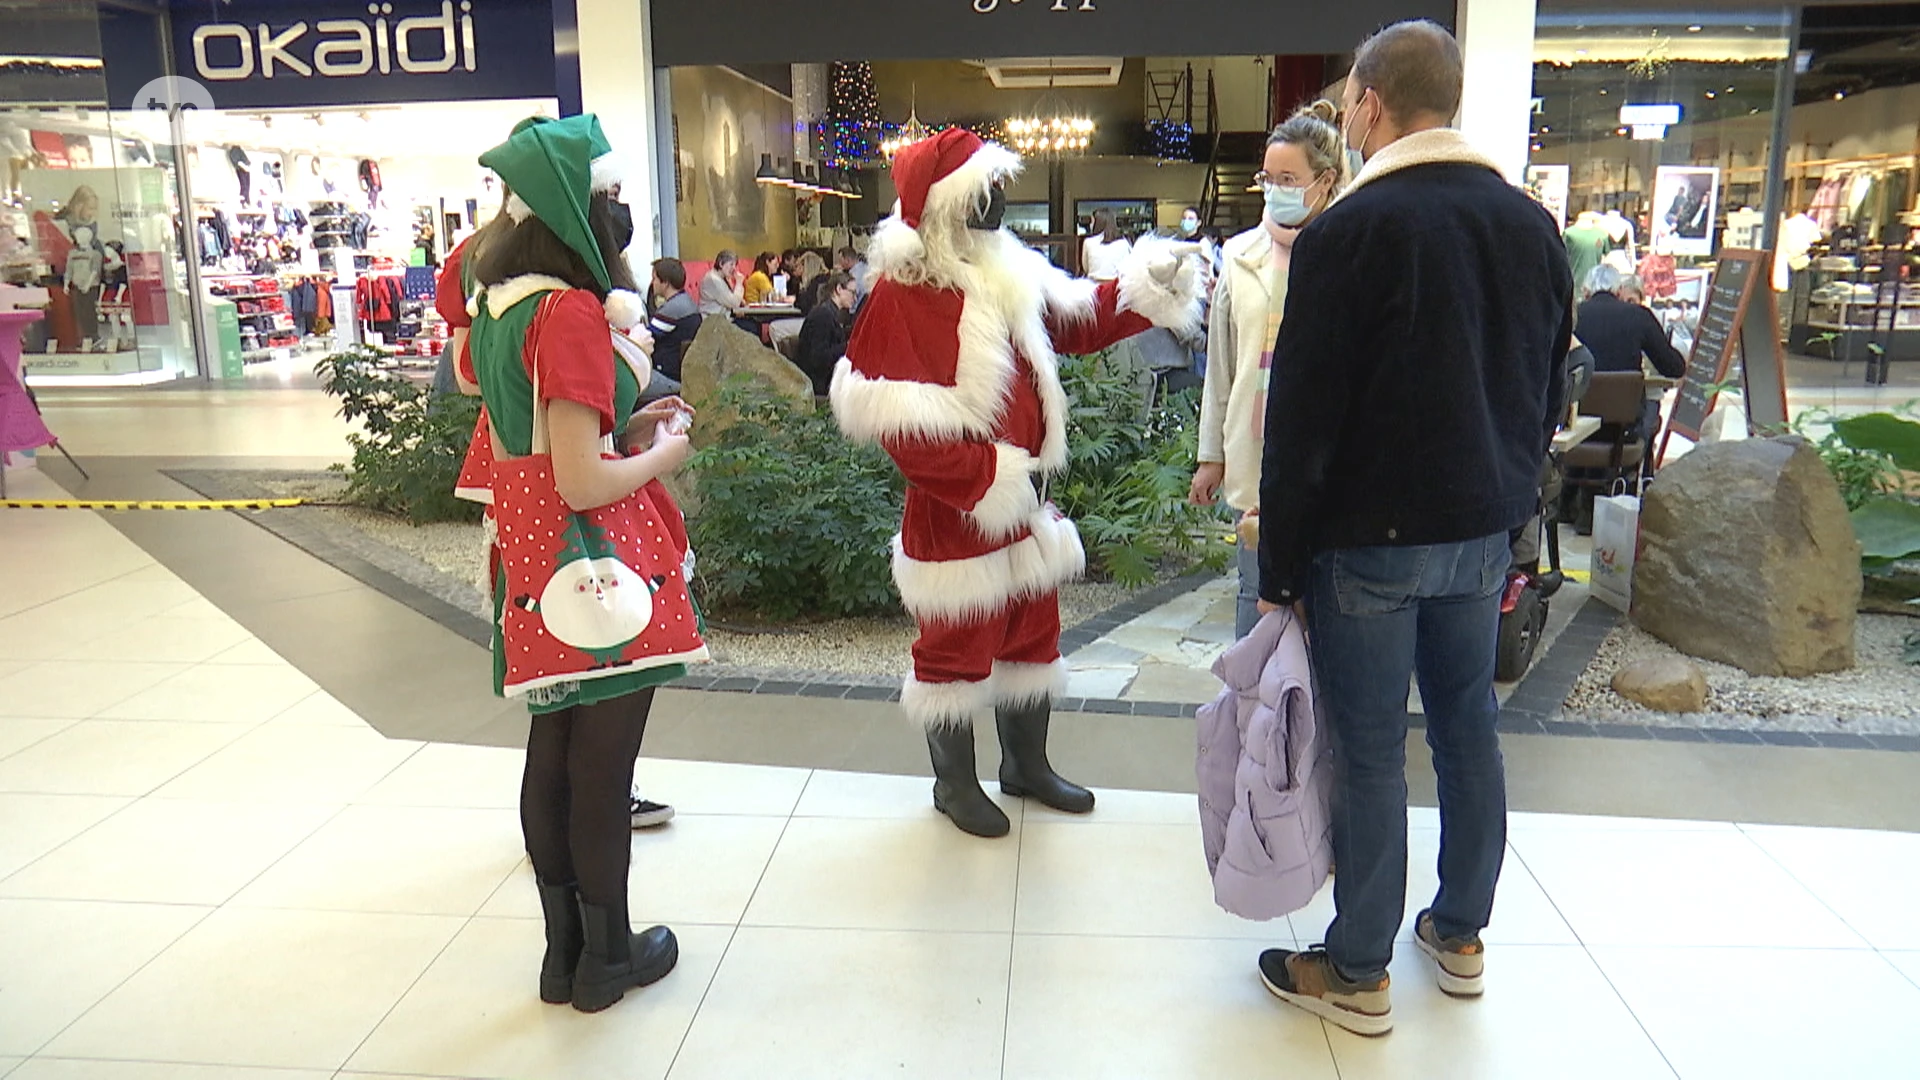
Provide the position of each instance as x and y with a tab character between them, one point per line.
1051	129
1053	135
911	132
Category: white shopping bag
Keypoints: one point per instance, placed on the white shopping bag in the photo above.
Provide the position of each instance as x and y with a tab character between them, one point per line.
1616	540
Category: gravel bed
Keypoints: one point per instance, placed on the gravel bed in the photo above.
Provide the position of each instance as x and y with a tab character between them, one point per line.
1880	696
875	646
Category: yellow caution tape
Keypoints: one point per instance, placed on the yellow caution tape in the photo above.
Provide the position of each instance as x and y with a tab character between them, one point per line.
148	504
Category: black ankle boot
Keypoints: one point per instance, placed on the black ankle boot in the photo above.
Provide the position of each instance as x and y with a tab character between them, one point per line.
561	905
616	960
1024	771
956	783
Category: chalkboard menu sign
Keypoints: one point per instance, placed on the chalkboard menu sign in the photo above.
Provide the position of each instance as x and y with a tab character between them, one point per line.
1739	316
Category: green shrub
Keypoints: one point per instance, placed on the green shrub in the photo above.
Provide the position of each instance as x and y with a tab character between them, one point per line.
408	458
793	520
1867	454
1129	469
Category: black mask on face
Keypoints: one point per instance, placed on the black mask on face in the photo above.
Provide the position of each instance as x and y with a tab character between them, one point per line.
622	224
991	218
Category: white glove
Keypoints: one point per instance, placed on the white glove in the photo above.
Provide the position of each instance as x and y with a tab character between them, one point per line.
1165	258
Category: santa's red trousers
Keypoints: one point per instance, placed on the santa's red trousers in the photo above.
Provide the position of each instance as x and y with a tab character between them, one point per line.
1026	631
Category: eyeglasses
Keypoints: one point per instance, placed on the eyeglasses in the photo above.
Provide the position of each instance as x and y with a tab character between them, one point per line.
1264	179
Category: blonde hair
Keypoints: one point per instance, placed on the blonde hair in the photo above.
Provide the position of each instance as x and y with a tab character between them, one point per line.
1313	129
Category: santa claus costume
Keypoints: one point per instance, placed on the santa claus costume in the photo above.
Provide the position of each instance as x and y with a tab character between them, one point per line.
951	369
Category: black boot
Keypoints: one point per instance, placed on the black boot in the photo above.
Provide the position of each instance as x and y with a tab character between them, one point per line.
561	904
956	783
616	960
1024	771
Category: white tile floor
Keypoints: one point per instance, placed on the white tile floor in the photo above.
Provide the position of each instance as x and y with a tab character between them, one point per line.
211	870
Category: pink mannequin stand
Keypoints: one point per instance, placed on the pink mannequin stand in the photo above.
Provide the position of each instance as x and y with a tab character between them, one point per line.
21	425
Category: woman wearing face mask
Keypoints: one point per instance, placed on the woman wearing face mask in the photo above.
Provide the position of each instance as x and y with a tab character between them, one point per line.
1301	176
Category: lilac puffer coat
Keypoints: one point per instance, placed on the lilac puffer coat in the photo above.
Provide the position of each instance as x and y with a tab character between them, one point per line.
1266	776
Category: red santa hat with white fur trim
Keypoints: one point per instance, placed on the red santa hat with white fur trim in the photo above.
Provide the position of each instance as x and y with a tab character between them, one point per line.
940	181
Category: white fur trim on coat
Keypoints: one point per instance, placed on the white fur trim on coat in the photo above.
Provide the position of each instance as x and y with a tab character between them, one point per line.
967	590
1001	310
515	289
1176	308
1011	500
945	705
625	309
955	196
1434	146
1025	684
610	169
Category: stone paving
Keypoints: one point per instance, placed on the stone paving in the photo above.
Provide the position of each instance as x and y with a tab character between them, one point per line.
1167	654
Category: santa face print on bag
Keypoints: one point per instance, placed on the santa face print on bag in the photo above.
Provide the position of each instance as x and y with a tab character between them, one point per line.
593	602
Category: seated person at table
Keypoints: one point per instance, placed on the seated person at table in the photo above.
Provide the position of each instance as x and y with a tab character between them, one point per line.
672	316
759	288
718	294
823	338
1619	334
809	281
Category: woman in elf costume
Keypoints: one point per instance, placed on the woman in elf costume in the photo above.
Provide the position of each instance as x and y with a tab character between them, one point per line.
590	591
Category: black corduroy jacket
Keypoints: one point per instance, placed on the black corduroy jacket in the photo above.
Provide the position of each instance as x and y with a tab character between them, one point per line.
1418	375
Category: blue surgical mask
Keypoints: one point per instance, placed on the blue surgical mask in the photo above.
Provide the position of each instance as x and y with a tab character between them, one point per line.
1189	226
1287	206
1356	160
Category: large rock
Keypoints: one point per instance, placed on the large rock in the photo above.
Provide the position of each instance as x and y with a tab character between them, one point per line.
1665	684
1747	557
721	351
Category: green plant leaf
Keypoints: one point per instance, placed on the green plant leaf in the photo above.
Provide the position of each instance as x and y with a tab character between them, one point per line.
1885	433
1888	528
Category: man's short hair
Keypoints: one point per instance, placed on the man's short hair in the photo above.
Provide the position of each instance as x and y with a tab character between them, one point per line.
848	254
671	271
1415	67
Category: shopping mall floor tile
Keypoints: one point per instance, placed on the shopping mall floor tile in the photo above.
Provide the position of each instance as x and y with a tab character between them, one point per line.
814	1004
1730	1014
1548	1012
1152	1009
474	1013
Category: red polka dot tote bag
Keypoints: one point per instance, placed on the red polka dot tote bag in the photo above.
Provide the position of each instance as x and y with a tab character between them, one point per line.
589	595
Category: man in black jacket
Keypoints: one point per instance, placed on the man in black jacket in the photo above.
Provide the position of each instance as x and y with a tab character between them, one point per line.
672	316
1618	332
1413	396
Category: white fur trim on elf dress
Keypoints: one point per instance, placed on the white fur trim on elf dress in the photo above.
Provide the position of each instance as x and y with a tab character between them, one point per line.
967	590
1025	684
1177	308
515	289
1011	499
625	309
944	705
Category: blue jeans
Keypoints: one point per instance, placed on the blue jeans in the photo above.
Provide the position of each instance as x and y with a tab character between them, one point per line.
1246	609
1376	618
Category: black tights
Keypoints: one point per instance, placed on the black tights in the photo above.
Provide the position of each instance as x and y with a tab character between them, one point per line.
573	798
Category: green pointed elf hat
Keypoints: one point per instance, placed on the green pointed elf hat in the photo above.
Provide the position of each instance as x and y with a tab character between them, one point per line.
553	168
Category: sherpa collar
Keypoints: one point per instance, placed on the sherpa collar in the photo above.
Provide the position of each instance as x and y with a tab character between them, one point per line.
1435	146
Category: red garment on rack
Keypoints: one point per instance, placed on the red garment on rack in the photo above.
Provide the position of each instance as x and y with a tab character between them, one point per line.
377	299
1656	274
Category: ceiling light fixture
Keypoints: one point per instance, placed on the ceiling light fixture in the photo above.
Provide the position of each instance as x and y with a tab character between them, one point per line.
1050	130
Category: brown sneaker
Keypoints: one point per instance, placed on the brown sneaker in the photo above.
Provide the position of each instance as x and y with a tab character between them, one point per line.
1462	962
1309	980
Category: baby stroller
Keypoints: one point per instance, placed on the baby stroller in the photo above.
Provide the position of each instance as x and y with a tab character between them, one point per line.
1525	602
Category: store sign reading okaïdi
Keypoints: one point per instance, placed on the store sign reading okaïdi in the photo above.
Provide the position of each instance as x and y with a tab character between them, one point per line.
275	53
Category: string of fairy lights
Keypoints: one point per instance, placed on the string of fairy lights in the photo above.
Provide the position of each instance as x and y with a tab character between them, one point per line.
855	134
